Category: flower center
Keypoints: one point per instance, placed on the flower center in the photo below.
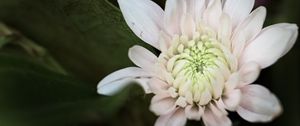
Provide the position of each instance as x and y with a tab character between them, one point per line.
196	68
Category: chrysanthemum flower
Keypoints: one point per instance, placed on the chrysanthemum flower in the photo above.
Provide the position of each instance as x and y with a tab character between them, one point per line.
211	53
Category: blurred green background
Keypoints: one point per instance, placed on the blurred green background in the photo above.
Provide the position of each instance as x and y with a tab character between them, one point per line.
54	52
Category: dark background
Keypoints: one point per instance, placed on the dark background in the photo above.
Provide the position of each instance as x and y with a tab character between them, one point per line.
51	64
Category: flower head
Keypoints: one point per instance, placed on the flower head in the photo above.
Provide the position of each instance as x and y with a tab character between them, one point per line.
211	53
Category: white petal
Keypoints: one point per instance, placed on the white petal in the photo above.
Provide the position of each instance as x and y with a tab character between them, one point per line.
162	104
238	10
232	82
231	100
177	118
158	86
258	104
293	39
221	106
188	26
205	97
196	9
190	6
248	29
164	41
216	110
144	18
252	116
211	119
217	84
249	73
116	81
253	23
194	112
270	45
225	30
213	13
174	10
142	58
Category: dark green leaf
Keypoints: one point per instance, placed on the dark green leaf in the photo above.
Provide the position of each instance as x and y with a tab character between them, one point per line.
80	34
31	95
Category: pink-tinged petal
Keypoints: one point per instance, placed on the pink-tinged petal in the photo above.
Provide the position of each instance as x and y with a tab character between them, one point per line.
253	23
176	118
221	106
249	73
164	119
158	86
238	10
162	104
193	112
188	26
232	82
174	10
190	6
258	104
252	116
142	58
231	100
213	13
199	9
217	84
144	19
248	29
216	110
205	97
164	41
293	39
210	118
116	81
225	30
196	9
269	45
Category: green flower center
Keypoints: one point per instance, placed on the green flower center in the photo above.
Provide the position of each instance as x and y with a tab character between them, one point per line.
196	68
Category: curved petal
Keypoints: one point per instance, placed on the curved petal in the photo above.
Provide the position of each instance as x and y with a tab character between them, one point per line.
188	25
258	104
248	29
217	84
213	13
232	82
162	104
193	112
196	8
158	86
144	19
164	41
174	11
238	10
216	110
205	97
249	73
225	30
142	58
199	9
270	45
294	36
116	81
176	118
211	118
231	100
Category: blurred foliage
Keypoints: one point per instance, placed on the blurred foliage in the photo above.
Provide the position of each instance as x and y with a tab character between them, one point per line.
76	32
50	65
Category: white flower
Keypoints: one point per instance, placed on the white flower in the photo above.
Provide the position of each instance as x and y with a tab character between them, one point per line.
211	53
